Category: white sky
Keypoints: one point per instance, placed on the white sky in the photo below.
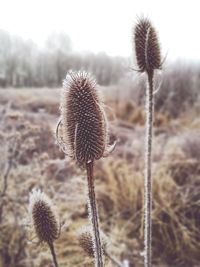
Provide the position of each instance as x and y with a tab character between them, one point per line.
105	25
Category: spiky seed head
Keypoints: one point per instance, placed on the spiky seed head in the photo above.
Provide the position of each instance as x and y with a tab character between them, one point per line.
83	118
85	238
146	46
43	216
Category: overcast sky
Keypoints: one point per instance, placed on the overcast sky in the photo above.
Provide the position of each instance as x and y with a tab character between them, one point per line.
106	25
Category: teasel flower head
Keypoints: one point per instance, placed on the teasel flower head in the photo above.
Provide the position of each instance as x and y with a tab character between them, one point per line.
83	120
85	238
147	47
44	217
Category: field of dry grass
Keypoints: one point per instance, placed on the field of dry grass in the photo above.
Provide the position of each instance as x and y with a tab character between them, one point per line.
29	151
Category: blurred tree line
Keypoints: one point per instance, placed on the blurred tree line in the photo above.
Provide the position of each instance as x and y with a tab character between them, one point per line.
24	64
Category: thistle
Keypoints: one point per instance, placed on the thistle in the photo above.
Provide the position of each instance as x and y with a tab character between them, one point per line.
44	219
85	136
148	58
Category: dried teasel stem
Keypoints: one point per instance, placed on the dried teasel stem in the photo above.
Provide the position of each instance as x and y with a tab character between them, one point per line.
93	214
51	247
148	178
148	59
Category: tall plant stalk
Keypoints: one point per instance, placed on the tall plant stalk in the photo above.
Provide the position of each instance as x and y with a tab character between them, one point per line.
148	58
93	215
148	176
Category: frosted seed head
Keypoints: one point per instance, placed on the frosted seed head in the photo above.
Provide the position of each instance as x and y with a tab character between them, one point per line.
146	46
85	238
82	116
43	216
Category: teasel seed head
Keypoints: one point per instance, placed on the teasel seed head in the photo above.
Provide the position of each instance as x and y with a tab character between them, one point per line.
43	216
84	124
85	238
147	47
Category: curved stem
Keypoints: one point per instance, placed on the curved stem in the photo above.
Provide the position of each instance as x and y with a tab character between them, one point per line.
148	178
93	215
53	253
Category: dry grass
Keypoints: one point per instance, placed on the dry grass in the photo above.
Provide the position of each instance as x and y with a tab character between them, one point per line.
119	178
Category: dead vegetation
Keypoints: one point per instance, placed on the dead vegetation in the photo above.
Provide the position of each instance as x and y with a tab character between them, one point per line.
39	163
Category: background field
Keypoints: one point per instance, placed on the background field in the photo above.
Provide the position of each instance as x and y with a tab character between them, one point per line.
40	41
28	151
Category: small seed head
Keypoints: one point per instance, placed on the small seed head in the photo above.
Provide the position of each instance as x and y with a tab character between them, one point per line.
146	46
85	238
83	118
43	216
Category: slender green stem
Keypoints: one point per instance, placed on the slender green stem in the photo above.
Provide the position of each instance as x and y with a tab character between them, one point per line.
148	178
53	253
93	215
